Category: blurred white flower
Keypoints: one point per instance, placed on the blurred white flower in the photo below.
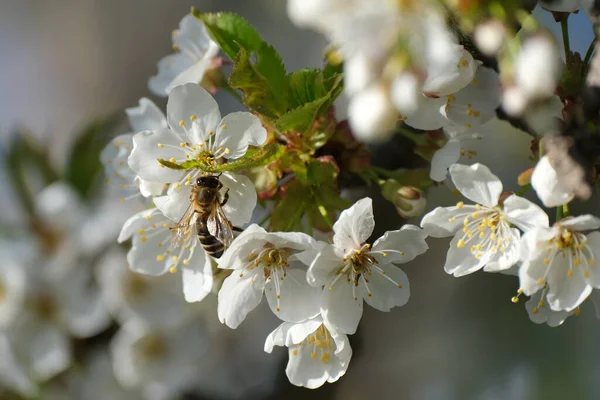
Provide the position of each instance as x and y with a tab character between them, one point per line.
563	260
162	362
372	115
483	233
549	188
153	253
317	352
489	36
540	313
352	271
127	294
146	116
270	263
537	70
13	289
196	53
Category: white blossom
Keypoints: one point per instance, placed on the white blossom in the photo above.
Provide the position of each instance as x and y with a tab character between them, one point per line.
561	260
372	114
317	352
146	116
269	263
551	190
153	253
196	131
483	233
353	270
195	55
162	362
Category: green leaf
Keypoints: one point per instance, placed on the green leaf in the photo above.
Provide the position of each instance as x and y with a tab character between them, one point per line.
301	118
231	32
288	211
83	164
242	43
259	93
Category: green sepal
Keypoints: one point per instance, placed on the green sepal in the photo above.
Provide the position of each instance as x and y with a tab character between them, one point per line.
175	166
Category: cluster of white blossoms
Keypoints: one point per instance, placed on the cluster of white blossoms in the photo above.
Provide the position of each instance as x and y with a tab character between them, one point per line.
316	288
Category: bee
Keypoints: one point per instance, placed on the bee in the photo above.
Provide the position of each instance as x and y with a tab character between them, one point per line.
205	212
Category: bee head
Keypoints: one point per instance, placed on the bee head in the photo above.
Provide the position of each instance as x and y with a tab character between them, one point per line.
208	181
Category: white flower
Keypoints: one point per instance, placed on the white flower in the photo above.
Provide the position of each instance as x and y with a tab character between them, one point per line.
563	260
537	68
198	132
317	352
196	53
160	361
13	287
461	111
449	154
540	313
567	5
371	114
489	36
352	271
146	116
551	191
127	294
153	253
267	262
12	373
483	235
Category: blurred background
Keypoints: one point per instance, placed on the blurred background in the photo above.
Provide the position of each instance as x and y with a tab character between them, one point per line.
67	62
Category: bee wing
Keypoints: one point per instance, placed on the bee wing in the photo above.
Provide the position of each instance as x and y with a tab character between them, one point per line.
219	226
181	230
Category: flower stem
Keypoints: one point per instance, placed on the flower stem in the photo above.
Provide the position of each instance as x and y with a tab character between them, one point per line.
415	138
565	210
564	25
588	56
559	213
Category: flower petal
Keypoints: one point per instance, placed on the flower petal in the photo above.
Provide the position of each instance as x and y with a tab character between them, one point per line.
136	222
566	292
239	295
504	260
585	222
524	214
443	222
387	288
593	270
322	268
452	75
355	225
242	198
477	183
341	307
197	276
476	104
193	74
409	242
298	300
460	261
428	116
190	100
236	256
540	313
148	147
239	130
50	352
288	333
168	69
549	189
443	159
175	202
146	116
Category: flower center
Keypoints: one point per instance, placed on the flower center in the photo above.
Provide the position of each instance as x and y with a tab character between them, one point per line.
571	245
321	342
274	263
44	306
360	262
136	286
152	347
486	228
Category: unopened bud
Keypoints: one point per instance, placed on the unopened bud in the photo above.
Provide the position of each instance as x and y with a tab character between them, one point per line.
525	177
410	202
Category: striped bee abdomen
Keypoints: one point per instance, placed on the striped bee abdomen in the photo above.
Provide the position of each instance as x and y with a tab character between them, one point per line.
209	243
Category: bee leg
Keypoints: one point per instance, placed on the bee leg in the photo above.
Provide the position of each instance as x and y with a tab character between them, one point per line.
225	198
